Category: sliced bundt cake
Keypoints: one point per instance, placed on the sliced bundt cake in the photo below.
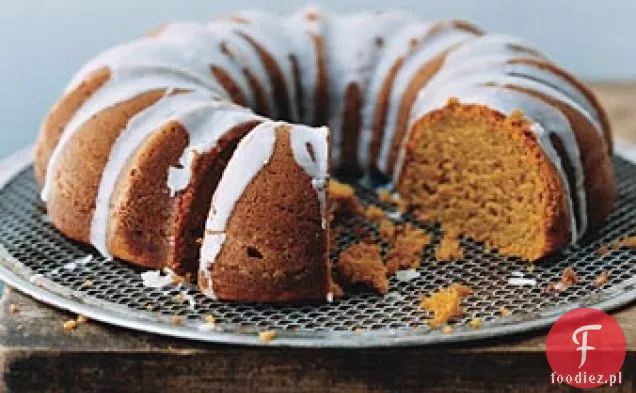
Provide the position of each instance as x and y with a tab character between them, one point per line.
479	132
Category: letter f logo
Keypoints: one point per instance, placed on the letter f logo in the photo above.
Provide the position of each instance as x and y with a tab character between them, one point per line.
583	344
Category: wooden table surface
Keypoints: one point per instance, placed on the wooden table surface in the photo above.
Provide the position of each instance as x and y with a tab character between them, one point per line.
37	354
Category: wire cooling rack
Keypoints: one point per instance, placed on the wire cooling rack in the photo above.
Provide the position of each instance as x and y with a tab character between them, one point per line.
39	261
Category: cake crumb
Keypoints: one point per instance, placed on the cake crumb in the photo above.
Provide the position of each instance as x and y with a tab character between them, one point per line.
358	330
569	277
531	267
629	242
504	311
176	320
69	325
86	284
267	336
81	318
343	199
601	279
362	264
475	323
210	319
406	252
14	308
603	250
447	329
385	196
179	298
449	248
19	327
445	304
374	213
150	307
386	228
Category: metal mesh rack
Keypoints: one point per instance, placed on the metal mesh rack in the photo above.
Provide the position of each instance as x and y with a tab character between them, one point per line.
39	261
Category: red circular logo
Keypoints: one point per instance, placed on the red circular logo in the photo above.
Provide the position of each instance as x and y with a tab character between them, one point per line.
586	348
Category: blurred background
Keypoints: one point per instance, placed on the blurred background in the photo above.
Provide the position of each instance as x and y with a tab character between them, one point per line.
45	41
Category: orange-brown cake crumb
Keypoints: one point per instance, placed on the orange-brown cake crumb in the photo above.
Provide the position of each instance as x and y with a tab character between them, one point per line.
601	279
387	229
445	304
343	199
176	320
449	248
81	319
86	284
69	325
505	311
475	323
447	329
267	336
629	242
385	196
210	319
603	250
362	264
407	249
374	213
569	277
14	308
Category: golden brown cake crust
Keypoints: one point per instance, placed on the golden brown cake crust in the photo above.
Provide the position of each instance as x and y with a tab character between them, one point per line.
60	115
76	181
274	260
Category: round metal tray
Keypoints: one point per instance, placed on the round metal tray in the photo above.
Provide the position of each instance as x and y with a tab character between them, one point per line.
39	261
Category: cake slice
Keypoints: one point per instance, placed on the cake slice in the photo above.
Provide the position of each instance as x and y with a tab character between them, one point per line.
266	237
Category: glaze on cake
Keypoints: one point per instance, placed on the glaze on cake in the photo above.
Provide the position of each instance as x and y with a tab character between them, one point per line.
161	151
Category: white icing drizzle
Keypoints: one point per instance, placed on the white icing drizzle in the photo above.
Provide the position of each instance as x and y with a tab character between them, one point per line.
425	52
398	46
302	45
252	154
204	120
352	54
264	28
316	162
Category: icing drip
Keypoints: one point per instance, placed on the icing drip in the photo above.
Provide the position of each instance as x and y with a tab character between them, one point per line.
205	121
311	152
351	58
252	154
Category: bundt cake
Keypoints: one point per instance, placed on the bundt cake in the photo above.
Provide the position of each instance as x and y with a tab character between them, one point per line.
161	151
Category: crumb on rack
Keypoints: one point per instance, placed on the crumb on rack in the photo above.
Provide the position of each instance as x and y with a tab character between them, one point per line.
86	284
179	298
81	318
505	311
449	248
603	250
176	320
601	279
150	306
569	277
70	324
629	242
361	263
447	329
358	330
406	252
210	319
445	304
19	327
14	308
267	336
374	213
475	323
343	200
